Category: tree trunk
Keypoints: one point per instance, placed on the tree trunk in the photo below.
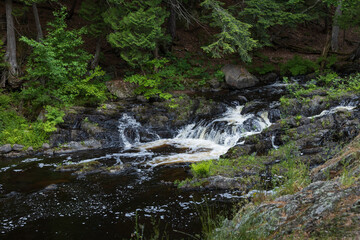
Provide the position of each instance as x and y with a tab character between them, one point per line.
172	20
72	10
336	29
95	61
37	23
325	51
355	55
10	55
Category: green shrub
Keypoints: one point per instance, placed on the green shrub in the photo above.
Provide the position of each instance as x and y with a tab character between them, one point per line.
298	66
57	70
15	129
201	169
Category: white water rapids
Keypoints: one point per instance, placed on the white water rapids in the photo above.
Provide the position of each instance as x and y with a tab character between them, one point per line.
198	141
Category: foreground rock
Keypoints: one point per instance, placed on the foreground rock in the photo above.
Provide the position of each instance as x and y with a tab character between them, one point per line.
328	208
324	209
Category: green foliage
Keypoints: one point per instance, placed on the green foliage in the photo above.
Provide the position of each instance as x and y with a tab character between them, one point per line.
346	178
137	29
3	64
53	116
298	66
294	172
250	225
263	14
330	83
15	129
234	36
92	11
172	73
57	68
154	84
201	169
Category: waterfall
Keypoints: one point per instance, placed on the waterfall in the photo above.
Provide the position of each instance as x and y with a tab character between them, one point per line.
131	131
227	129
206	140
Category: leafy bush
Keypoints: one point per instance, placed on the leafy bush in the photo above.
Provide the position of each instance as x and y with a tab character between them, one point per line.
15	129
57	68
298	66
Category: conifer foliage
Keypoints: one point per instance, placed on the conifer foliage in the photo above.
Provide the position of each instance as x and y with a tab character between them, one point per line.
234	36
138	30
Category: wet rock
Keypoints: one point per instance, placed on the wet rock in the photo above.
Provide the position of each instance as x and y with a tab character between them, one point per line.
45	146
142	99
30	149
58	139
50	187
79	146
274	115
239	150
12	194
49	152
268	78
5	148
18	147
81	168
214	83
221	182
238	77
159	121
91	127
316	105
121	89
253	107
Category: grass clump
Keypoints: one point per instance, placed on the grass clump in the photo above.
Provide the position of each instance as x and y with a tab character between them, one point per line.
249	225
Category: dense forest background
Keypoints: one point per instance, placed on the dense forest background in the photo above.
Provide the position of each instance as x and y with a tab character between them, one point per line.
61	53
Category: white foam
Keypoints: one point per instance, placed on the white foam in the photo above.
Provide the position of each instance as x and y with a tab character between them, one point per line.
334	110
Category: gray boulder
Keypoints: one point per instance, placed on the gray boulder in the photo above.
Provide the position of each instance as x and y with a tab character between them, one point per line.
238	77
5	148
121	89
18	147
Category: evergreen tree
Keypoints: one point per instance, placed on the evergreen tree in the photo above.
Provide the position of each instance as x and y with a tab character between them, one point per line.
137	29
234	37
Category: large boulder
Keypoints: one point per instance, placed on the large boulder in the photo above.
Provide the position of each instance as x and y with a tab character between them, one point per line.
121	89
238	77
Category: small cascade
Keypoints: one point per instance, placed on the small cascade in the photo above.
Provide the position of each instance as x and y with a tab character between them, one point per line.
334	110
208	139
228	129
132	133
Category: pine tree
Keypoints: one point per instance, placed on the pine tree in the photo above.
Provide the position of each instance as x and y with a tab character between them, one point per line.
138	30
234	37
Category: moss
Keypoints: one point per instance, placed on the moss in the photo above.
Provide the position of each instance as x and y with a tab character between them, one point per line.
80	168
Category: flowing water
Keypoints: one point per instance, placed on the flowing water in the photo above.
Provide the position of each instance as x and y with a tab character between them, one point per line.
39	202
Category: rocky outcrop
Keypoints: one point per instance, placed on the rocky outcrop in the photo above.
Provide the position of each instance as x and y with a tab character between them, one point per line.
238	77
328	208
324	209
